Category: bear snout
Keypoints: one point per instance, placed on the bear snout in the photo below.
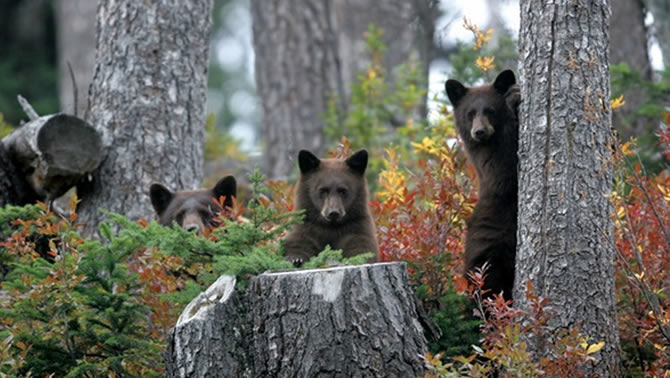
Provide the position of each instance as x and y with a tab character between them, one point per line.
192	228
193	223
481	129
332	210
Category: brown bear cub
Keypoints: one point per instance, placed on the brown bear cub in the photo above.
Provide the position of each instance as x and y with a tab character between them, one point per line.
193	210
334	195
487	121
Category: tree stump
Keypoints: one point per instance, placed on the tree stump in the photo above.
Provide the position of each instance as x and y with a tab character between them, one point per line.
350	321
54	152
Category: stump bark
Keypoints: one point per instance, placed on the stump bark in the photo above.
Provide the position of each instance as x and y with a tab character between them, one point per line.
53	153
353	321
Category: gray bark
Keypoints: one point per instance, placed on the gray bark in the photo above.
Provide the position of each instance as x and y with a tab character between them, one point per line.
308	51
339	322
565	231
75	23
660	9
629	44
296	72
53	153
148	97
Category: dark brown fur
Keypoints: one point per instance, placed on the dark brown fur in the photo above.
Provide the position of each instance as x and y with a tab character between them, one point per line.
334	195
487	121
193	210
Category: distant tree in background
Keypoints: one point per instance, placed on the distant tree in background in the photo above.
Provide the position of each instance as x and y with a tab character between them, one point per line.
630	45
75	25
308	52
660	9
148	98
27	58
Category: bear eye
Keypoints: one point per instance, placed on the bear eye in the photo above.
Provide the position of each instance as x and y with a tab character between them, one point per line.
342	191
471	115
180	217
323	191
204	213
489	112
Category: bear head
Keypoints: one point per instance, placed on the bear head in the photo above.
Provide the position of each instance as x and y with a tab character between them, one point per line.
194	210
332	190
481	112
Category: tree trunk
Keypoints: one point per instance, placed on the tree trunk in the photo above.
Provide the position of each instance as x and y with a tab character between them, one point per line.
349	321
297	69
75	22
660	9
148	97
308	51
565	230
629	44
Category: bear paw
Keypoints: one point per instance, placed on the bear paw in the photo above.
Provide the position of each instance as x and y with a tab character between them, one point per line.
513	98
296	261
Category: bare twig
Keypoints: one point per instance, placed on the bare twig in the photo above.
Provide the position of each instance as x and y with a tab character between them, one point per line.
27	108
646	291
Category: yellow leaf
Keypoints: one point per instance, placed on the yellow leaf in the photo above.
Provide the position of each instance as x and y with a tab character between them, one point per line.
626	148
594	348
639	276
485	63
617	102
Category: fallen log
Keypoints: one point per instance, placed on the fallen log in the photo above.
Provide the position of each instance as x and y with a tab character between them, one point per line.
351	321
53	153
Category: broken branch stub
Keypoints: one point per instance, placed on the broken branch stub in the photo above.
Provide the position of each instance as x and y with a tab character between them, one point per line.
54	152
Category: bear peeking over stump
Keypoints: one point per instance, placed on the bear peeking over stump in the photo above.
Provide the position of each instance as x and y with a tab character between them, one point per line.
334	195
487	121
193	210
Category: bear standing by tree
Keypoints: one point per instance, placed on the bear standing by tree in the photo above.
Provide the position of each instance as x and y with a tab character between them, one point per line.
334	195
487	121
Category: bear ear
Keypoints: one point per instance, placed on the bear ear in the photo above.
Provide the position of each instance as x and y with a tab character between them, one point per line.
455	91
160	198
504	81
307	161
227	186
358	161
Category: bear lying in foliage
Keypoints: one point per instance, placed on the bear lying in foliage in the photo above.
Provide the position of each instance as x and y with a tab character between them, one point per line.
334	195
487	121
193	210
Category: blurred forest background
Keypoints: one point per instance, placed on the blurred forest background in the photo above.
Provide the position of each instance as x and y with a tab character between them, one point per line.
39	37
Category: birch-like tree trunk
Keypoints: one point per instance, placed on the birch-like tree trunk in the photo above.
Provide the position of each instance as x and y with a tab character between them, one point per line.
148	98
565	231
75	22
307	51
660	9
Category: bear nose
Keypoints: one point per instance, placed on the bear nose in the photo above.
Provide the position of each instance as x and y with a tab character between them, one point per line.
333	215
192	228
479	134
